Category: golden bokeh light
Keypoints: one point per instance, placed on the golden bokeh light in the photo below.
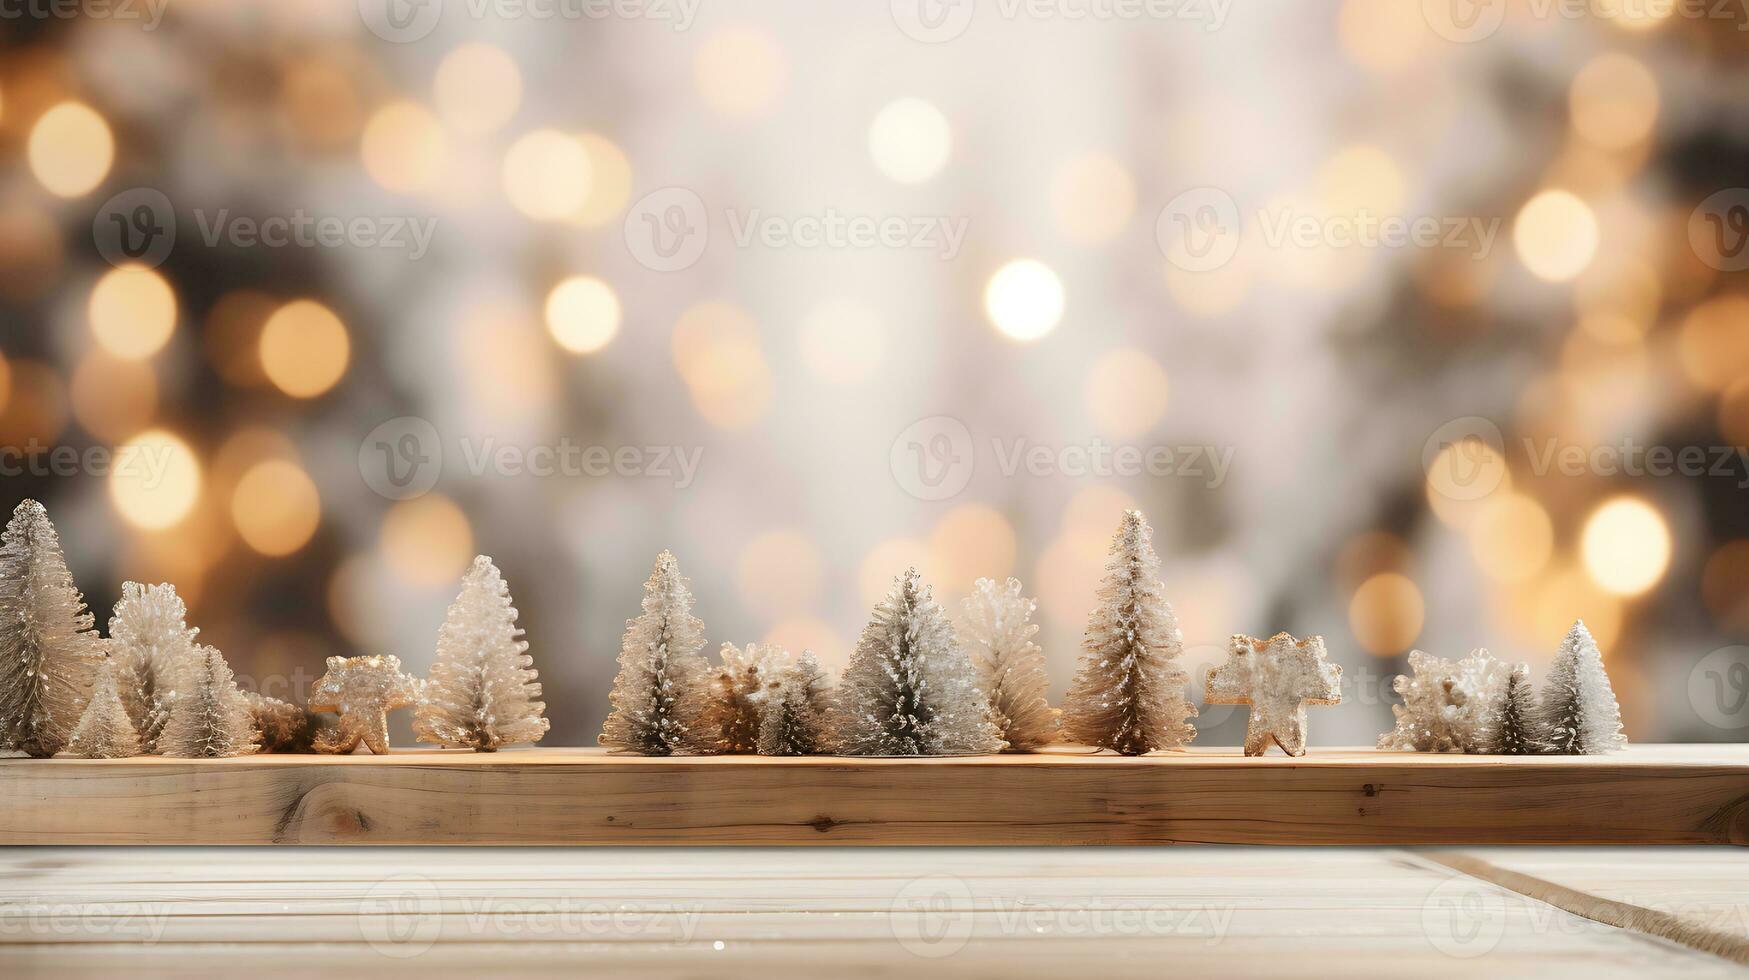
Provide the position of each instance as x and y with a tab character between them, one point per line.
1626	546
1613	101
1093	198
886	561
805	633
1461	478
247	447
1724	585
1384	36
505	363
970	542
1125	393
842	342
1511	537
321	103
1370	553
36	404
910	140
1386	614
304	348
232	337
132	312
1067	578
1544	608
276	507
717	351
71	149
740	72
610	181
1619	304
477	88
113	398
547	175
1024	300
779	573
1362	179
1733	413
404	148
582	314
1093	514
427	541
1556	235
155	480
1713	345
31	253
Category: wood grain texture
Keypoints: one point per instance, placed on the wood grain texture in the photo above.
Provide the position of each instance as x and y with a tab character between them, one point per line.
1647	795
774	913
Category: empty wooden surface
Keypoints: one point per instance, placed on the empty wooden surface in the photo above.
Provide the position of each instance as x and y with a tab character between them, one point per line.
845	912
1647	795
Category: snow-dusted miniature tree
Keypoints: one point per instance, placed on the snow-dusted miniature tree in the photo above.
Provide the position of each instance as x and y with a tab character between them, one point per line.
793	709
662	686
210	718
910	689
483	686
729	723
1511	723
105	731
48	650
1578	714
284	726
1445	702
997	631
1128	694
153	646
362	690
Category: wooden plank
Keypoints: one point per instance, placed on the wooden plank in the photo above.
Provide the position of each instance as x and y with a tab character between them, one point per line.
774	913
1647	795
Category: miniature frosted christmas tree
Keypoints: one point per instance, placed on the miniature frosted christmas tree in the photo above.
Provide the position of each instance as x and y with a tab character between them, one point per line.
1511	725
794	709
910	689
482	689
1445	703
105	731
210	718
997	631
1128	694
1578	714
284	726
729	724
48	650
1277	677
153	647
363	690
662	686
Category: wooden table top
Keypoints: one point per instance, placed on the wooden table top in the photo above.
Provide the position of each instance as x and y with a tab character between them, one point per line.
867	912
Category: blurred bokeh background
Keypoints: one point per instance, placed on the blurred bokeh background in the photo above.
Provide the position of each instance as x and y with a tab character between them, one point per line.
808	292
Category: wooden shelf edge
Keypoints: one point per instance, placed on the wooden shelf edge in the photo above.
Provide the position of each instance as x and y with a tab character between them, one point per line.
1650	794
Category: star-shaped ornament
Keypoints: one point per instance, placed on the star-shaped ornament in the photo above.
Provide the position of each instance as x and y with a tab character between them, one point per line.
1277	677
363	690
